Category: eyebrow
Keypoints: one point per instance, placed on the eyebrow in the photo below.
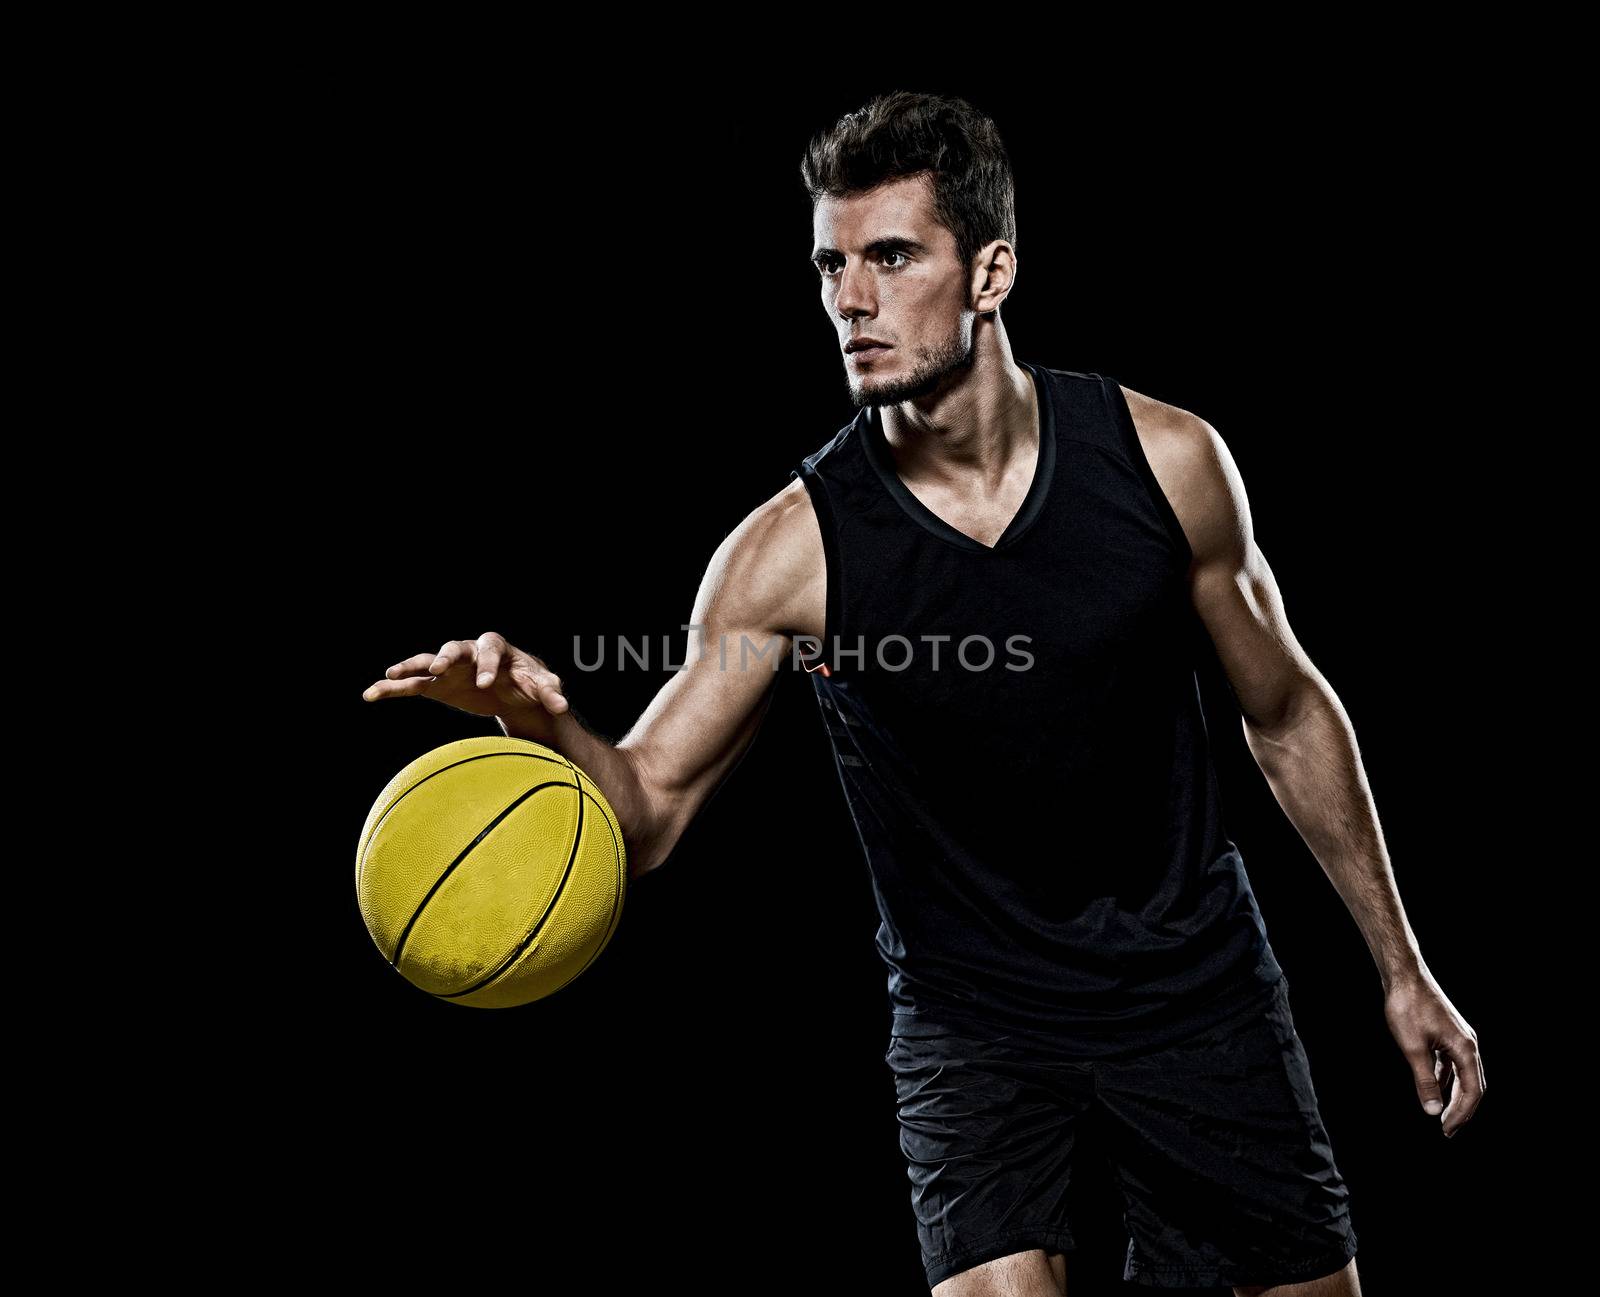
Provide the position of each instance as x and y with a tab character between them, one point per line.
894	243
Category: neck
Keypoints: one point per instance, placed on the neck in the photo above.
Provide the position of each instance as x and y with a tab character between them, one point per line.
972	431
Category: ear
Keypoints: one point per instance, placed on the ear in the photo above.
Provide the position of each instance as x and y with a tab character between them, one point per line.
994	270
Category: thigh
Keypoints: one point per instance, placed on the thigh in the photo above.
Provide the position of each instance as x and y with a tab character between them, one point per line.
1225	1165
1032	1273
987	1130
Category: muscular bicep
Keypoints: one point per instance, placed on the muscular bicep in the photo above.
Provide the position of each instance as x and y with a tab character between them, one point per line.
705	716
1231	585
1236	596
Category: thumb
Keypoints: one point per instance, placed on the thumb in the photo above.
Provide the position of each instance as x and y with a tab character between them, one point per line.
1422	1073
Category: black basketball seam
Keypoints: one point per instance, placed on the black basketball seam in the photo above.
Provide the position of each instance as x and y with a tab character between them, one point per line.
438	882
616	906
538	926
616	910
481	756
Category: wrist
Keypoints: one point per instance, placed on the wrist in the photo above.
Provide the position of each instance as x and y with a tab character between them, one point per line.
525	723
1405	969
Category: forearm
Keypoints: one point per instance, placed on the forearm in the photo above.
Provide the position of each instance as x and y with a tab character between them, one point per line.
612	769
1313	765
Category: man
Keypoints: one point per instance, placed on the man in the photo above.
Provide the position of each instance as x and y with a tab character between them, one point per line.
998	566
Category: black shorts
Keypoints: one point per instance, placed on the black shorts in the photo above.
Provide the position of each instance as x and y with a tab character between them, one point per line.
1226	1170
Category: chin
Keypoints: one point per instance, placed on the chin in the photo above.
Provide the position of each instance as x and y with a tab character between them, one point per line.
888	391
863	394
873	390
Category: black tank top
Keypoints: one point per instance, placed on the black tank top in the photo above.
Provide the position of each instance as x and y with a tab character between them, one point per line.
1019	734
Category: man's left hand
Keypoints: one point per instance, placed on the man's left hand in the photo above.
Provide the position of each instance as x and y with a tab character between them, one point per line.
1441	1048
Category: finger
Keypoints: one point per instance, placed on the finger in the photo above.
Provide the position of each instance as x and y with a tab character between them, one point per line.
411	666
1423	1076
451	652
489	646
398	688
1445	1071
550	693
1469	1072
542	685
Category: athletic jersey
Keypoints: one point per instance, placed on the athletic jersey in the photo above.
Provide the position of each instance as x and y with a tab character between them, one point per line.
1019	734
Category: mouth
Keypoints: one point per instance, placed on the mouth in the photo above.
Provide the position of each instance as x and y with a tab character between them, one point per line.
866	351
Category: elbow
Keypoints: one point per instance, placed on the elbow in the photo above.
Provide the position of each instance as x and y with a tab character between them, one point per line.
646	852
649	826
1270	726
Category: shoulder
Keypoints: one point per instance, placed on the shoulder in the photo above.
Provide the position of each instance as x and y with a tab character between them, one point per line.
768	572
1167	430
781	535
1195	471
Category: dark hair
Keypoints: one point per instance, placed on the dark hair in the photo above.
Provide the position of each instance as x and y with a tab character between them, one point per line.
901	134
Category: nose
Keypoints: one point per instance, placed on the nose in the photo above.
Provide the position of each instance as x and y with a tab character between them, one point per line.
854	295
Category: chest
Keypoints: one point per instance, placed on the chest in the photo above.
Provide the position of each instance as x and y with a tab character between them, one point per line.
1091	600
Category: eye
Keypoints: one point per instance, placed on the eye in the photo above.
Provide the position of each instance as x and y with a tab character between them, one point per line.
823	264
901	255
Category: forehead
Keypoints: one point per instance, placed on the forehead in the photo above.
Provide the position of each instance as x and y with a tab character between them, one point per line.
902	206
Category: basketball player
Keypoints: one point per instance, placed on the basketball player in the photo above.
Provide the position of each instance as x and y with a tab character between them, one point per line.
999	569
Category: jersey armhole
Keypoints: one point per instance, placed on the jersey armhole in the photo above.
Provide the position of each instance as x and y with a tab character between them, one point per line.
833	602
1134	450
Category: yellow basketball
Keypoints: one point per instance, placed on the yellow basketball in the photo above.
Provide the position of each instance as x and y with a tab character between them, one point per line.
491	872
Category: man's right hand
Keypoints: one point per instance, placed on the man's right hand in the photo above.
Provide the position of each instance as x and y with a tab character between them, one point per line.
485	676
766	583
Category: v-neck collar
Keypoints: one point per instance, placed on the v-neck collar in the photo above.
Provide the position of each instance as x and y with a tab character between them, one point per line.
882	460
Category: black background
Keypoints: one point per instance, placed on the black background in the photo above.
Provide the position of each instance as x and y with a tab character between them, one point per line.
562	344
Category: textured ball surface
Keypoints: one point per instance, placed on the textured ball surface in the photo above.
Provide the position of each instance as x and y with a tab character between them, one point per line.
491	872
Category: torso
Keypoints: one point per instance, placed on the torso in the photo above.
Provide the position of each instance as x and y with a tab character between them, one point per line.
1044	836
